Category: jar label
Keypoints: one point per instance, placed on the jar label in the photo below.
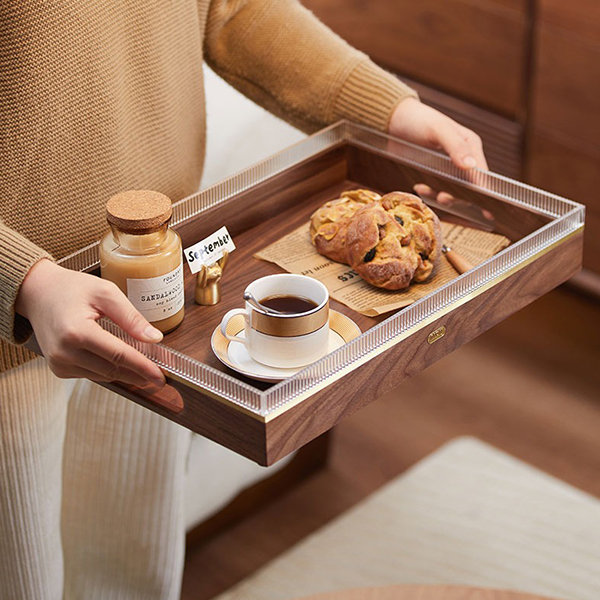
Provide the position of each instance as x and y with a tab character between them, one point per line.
159	297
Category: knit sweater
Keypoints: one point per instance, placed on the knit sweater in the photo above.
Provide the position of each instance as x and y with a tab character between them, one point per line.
97	97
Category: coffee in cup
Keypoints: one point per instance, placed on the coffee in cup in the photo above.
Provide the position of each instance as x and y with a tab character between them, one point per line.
295	336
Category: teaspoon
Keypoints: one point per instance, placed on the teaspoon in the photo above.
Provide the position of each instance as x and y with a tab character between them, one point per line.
252	300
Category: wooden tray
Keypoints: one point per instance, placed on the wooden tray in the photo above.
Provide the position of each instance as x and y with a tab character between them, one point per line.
265	422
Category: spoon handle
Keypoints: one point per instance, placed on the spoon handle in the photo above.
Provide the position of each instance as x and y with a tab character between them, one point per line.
460	264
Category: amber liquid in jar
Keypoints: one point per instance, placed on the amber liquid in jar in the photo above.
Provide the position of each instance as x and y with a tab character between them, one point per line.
147	265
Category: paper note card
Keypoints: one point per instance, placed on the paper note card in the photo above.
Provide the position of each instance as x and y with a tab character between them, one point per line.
209	250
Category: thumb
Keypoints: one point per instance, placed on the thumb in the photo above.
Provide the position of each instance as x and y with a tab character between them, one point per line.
115	305
462	145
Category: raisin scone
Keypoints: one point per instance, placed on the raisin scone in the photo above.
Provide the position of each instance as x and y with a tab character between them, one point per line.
379	248
423	226
328	224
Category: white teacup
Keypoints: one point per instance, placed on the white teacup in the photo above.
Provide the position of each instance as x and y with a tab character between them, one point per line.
284	340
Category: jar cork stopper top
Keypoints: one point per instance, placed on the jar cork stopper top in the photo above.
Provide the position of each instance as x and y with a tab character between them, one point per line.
138	211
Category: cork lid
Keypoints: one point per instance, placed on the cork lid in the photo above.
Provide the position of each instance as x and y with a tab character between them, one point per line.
138	211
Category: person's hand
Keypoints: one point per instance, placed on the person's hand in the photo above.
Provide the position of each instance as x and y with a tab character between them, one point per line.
418	123
63	307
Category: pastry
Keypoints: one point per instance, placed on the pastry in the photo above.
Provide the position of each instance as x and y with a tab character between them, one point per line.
423	226
389	241
379	248
328	225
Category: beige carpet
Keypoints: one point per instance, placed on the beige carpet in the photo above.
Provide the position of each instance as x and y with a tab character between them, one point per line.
468	514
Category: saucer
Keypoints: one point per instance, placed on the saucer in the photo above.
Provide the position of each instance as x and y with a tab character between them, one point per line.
234	355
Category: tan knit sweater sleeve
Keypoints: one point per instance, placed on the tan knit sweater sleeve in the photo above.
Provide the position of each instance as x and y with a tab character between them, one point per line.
17	256
281	56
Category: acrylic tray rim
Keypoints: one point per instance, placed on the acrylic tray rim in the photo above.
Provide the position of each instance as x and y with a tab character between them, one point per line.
566	219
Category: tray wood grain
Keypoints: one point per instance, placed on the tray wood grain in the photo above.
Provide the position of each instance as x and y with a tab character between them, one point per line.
263	214
266	441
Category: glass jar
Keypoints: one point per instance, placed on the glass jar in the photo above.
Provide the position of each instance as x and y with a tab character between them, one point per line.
144	257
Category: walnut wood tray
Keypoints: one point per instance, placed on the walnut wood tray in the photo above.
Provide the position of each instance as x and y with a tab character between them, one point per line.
267	421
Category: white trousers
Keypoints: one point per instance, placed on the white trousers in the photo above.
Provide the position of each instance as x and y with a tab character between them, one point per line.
91	492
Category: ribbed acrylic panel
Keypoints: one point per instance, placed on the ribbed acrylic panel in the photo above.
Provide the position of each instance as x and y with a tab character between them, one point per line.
192	206
191	370
567	217
491	184
85	259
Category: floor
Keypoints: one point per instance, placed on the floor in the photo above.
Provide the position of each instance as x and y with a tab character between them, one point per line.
529	386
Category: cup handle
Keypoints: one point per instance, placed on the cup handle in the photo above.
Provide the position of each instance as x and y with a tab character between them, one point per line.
225	321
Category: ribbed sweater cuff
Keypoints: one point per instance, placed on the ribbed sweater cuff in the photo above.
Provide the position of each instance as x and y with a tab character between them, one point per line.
369	96
17	256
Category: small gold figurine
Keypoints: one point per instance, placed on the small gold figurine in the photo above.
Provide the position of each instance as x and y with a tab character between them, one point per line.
208	282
